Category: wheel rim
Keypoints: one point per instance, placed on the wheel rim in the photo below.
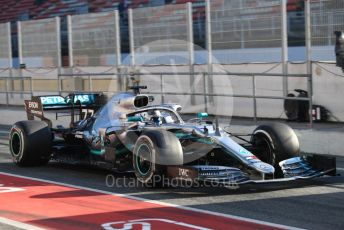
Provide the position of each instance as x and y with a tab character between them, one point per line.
143	159
15	144
266	155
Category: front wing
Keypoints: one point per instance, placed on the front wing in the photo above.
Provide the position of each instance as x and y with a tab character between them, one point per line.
297	168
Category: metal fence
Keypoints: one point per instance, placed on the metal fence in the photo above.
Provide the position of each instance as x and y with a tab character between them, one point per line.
39	42
94	39
161	35
237	31
172	90
327	16
246	30
19	86
5	46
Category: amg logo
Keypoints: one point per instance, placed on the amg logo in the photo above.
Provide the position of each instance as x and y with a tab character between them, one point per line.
183	172
33	105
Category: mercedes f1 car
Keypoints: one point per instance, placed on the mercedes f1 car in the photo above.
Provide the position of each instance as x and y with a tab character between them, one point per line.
129	133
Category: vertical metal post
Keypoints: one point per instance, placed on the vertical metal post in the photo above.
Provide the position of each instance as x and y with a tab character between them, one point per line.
330	29
131	37
58	44
9	42
209	46
6	88
74	85
205	92
59	84
31	86
284	34
242	28
20	44
70	41
254	98
208	32
117	40
118	50
190	36
308	36
190	43
309	57
10	61
90	83
20	55
310	97
162	88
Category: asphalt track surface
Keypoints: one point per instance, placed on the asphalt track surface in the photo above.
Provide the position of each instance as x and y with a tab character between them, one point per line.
316	204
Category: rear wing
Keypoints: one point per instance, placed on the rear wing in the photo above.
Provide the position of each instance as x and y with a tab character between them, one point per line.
75	101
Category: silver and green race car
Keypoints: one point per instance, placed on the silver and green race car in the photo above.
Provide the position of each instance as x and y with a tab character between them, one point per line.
129	133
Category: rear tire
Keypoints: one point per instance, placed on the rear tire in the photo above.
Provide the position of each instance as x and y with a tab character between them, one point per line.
275	142
30	143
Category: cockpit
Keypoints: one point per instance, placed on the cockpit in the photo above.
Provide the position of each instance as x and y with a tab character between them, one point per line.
122	108
157	116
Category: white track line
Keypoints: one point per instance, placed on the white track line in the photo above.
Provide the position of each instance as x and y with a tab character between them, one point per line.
18	224
158	202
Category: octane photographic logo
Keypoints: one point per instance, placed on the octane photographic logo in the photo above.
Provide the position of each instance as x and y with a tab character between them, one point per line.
113	181
171	80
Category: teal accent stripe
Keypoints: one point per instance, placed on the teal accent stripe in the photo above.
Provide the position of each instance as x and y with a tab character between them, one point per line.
97	152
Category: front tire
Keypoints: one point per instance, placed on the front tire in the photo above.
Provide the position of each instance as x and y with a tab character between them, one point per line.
153	151
30	143
275	142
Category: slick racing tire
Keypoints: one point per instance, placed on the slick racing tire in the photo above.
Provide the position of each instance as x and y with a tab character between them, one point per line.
30	143
153	151
275	142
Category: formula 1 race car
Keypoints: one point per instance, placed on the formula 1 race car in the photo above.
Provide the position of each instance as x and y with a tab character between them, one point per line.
128	133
